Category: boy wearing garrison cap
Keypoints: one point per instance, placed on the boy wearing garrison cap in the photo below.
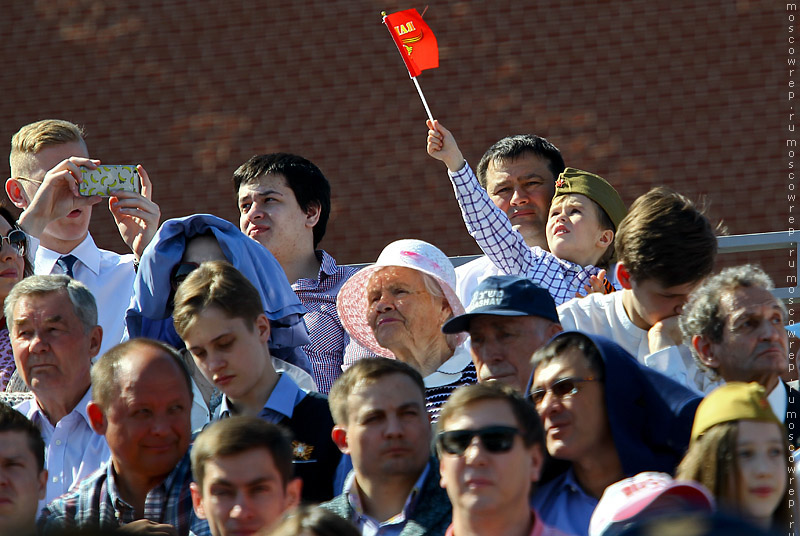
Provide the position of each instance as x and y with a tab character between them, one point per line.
580	229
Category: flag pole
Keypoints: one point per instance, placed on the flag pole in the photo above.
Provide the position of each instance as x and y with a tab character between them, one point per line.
422	97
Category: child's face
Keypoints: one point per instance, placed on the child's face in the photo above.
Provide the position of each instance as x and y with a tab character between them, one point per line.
573	230
761	460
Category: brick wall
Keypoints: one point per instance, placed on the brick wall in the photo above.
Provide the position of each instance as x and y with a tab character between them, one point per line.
683	93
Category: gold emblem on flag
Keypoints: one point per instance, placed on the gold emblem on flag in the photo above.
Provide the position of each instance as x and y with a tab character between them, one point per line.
412	35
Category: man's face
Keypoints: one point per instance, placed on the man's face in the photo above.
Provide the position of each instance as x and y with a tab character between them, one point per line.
51	349
269	214
75	225
231	353
387	433
653	302
502	346
243	493
755	345
522	188
22	485
576	426
147	425
401	311
489	483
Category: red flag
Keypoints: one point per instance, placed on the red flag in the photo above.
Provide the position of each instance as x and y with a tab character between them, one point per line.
414	40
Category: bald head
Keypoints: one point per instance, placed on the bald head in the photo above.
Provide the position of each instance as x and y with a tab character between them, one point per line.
133	354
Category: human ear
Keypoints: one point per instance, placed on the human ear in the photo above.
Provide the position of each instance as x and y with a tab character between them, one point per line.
197	500
623	276
263	327
313	213
606	238
705	351
293	493
16	194
339	436
96	418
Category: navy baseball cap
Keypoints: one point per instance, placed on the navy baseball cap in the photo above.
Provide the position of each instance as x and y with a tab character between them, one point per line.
505	295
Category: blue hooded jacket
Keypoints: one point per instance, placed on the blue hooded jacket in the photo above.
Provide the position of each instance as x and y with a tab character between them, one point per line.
149	316
650	414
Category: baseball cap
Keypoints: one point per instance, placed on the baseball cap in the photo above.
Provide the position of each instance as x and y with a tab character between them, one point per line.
505	295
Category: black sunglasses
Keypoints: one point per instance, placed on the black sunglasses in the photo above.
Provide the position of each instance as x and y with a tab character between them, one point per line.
181	272
494	438
561	388
17	240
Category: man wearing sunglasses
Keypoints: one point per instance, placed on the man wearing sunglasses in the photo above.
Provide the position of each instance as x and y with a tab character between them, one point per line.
605	417
46	159
508	318
491	453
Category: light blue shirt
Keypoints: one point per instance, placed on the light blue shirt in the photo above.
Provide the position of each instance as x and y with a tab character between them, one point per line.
72	449
563	504
281	402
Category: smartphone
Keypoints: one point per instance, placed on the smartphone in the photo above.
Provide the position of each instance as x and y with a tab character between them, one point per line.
109	178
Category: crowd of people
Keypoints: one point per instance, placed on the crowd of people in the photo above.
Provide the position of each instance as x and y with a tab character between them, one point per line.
589	375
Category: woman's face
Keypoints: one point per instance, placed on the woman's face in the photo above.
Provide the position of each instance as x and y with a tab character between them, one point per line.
12	265
401	311
763	473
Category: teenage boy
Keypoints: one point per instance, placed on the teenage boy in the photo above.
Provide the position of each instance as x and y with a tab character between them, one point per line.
583	217
284	202
219	315
45	159
666	247
243	476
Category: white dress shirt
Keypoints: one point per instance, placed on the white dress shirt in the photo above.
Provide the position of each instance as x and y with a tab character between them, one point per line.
72	450
107	274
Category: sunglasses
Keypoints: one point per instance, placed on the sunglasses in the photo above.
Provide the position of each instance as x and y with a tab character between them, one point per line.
561	388
17	240
494	438
181	272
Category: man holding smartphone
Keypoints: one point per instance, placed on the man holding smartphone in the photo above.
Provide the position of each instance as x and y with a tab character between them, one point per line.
45	159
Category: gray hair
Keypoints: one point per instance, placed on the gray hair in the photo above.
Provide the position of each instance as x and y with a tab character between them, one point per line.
83	302
702	316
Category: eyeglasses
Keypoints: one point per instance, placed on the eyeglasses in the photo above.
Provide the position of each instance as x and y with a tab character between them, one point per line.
495	439
561	388
17	240
181	272
34	181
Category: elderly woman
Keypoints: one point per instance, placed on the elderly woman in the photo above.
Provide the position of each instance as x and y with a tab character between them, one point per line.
396	309
180	246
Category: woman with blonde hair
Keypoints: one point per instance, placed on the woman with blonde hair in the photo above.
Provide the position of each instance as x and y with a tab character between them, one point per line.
739	451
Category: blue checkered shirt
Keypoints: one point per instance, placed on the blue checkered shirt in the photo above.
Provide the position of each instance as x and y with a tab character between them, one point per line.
329	340
505	247
96	504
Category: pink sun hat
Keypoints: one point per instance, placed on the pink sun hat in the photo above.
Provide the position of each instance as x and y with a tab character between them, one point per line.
351	303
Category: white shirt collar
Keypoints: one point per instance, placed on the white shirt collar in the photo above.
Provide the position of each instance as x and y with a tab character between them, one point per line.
451	370
86	252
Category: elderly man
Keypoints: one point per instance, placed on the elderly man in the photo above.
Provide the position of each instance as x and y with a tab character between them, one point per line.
508	319
141	404
243	475
54	336
381	422
735	328
605	417
490	446
23	478
46	157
